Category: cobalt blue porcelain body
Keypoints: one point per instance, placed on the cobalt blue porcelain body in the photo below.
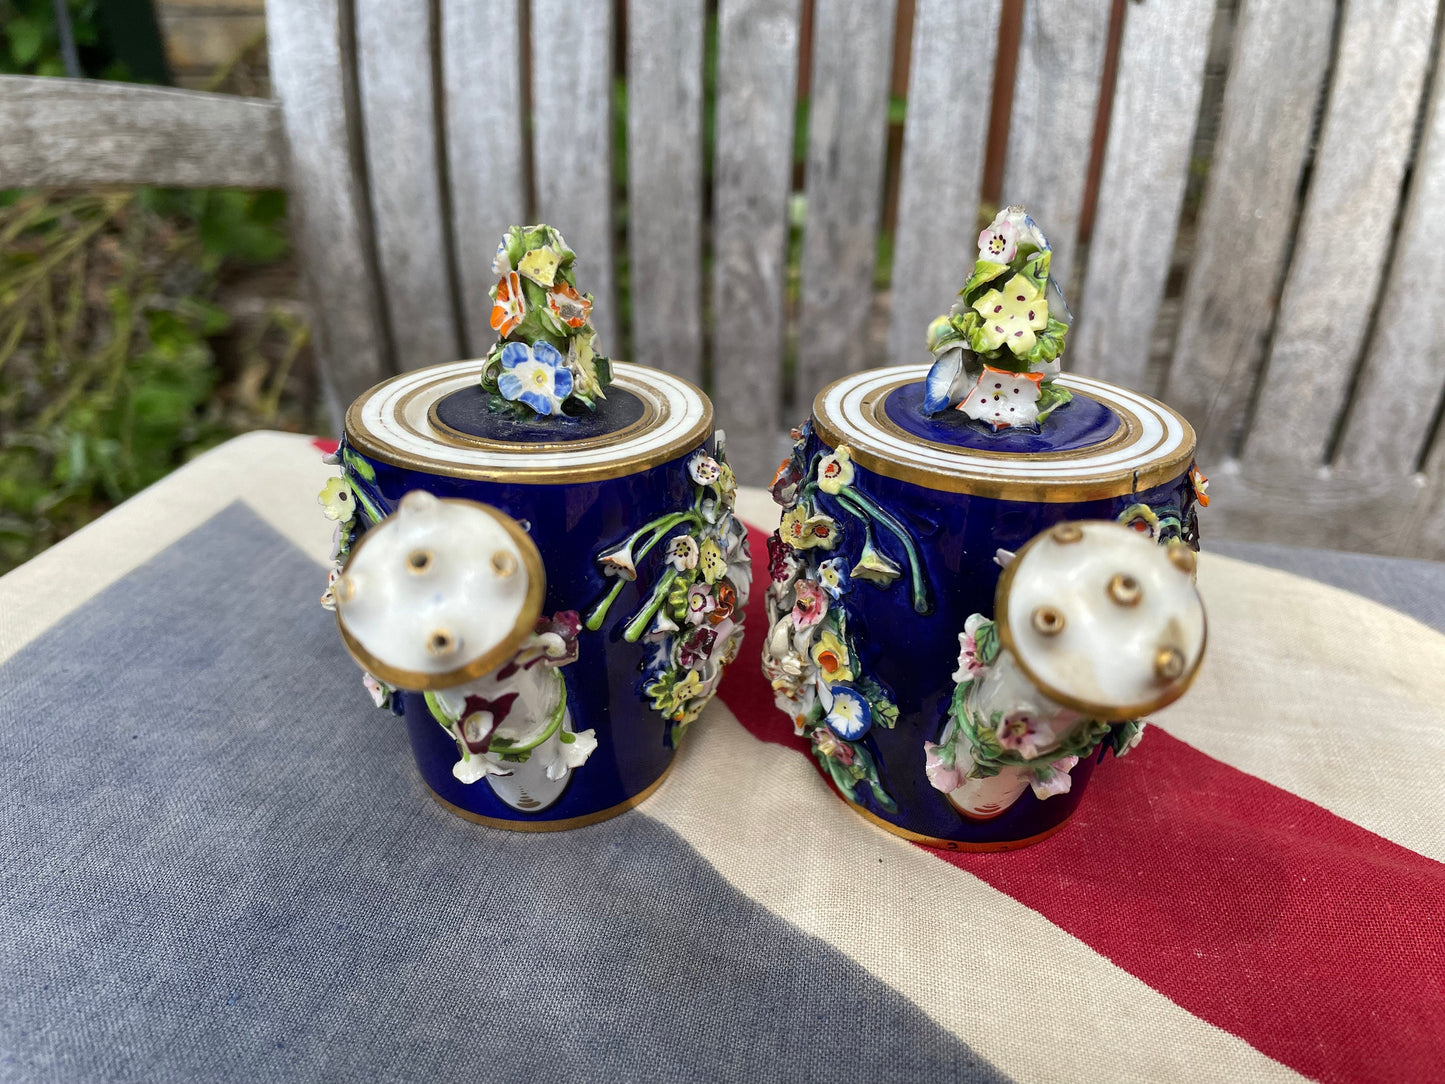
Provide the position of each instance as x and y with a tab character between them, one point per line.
525	470
959	509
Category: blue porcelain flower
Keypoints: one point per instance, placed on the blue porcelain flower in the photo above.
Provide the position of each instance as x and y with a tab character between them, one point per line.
945	383
536	375
850	716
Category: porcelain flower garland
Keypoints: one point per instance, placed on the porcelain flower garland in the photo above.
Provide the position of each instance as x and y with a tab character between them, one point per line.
997	351
546	358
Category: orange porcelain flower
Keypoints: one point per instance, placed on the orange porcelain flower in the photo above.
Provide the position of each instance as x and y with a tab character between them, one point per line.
508	305
568	305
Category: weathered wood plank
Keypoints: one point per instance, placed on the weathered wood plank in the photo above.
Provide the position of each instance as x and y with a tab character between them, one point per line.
485	155
944	133
1403	378
1146	163
1345	231
572	143
398	112
1318	508
61	132
847	139
664	156
752	166
1281	55
1051	126
309	44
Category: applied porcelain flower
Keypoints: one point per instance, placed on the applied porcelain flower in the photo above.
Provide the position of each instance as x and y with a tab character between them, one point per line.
946	382
553	641
705	470
835	471
1054	779
943	774
328	597
618	561
811	604
969	666
1201	486
570	751
534	375
850	716
830	655
999	241
696	648
724	602
784	485
875	566
700	603
1012	226
1026	733
783	564
1011	316
711	562
682	552
567	306
501	262
802	529
508	304
1003	399
833	575
581	355
540	265
336	500
380	694
827	743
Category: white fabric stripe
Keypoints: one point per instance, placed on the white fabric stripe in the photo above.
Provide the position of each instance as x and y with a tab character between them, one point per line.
1324	693
1035	1001
277	474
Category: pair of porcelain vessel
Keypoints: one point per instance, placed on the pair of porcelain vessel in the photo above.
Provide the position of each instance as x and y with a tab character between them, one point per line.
983	579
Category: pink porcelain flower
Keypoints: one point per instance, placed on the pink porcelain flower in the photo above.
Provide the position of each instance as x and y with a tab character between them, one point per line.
811	604
969	666
943	775
1054	779
1025	733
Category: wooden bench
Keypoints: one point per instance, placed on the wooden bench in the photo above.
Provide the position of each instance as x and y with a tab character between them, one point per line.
1303	345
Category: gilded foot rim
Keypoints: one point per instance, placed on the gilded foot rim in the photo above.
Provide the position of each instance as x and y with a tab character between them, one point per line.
954	844
556	825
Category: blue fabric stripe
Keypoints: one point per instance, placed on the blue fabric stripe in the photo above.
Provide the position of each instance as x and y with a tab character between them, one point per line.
220	864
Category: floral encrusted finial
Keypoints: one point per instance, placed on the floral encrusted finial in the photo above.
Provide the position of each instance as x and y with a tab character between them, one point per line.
997	351
545	361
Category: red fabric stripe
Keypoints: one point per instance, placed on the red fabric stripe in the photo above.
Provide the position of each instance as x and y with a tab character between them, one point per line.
1317	942
325	445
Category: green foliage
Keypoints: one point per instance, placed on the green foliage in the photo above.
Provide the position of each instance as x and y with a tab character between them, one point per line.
30	39
111	313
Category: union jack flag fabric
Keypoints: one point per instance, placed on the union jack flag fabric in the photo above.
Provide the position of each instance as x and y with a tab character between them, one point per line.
219	862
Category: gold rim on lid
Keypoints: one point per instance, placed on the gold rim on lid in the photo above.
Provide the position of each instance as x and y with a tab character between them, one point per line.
1154	444
396	422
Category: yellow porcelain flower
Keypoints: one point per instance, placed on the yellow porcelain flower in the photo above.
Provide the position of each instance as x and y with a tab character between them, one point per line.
1011	316
835	471
803	530
830	655
540	265
711	561
337	501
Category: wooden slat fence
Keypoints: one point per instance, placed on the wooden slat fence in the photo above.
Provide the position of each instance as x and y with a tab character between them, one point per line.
1301	334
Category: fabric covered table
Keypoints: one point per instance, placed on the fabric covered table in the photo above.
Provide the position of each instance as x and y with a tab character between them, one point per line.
220	864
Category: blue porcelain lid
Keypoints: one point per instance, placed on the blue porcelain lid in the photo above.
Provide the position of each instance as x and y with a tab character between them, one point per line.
1106	442
436	420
